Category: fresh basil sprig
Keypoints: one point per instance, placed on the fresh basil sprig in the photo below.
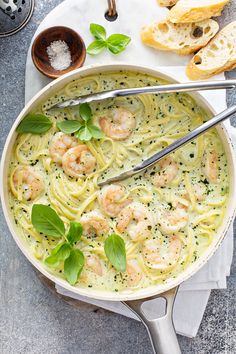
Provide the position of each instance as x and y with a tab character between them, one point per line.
84	130
116	43
59	254
69	126
46	221
115	251
34	123
85	112
75	232
98	31
73	266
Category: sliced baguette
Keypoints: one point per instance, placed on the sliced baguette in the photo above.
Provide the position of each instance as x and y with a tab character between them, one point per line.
180	38
186	11
218	56
167	3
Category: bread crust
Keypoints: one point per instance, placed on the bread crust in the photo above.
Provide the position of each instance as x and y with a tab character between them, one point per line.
166	3
224	44
189	11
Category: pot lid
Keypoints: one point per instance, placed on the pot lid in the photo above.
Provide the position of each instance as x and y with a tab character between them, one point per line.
14	15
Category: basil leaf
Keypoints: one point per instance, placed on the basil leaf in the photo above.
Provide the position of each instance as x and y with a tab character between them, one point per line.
46	220
115	251
96	47
69	126
116	43
98	31
75	232
73	266
59	254
84	134
95	131
85	111
34	123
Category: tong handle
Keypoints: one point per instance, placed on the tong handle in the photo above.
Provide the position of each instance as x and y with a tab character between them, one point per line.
186	139
186	87
172	147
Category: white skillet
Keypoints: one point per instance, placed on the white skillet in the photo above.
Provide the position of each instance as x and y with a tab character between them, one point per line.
161	330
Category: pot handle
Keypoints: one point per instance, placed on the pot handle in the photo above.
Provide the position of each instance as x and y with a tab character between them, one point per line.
161	330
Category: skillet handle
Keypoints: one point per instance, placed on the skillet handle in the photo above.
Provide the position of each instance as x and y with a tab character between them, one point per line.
161	330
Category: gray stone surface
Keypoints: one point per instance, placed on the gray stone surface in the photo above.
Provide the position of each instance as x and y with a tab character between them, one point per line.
32	320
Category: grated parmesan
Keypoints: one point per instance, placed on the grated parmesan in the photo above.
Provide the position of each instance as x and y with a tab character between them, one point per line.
59	55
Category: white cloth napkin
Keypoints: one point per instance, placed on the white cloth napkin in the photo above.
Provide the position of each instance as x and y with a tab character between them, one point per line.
193	295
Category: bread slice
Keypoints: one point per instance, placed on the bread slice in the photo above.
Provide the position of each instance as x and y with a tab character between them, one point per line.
218	56
180	38
167	2
186	11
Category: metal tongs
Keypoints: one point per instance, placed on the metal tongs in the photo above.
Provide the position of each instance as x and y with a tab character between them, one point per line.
187	87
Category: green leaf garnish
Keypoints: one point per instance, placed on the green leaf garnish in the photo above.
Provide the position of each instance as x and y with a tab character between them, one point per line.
85	112
73	266
96	47
117	43
69	126
84	130
75	232
84	134
115	251
98	31
46	221
34	123
59	254
95	131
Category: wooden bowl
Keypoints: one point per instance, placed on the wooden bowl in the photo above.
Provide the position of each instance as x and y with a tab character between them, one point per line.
44	39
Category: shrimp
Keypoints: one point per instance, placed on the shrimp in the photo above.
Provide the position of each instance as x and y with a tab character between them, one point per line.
172	221
112	199
200	191
163	172
161	259
60	143
78	161
210	168
27	183
94	262
94	224
136	220
134	272
119	125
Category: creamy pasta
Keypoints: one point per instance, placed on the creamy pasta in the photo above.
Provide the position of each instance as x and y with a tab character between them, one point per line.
167	216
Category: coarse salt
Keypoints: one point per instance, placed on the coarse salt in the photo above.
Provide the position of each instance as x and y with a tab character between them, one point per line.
59	55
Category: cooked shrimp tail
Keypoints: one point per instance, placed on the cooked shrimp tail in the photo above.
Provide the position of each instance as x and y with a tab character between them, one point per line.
94	224
27	184
78	161
112	199
59	145
163	172
136	220
119	124
174	220
158	259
